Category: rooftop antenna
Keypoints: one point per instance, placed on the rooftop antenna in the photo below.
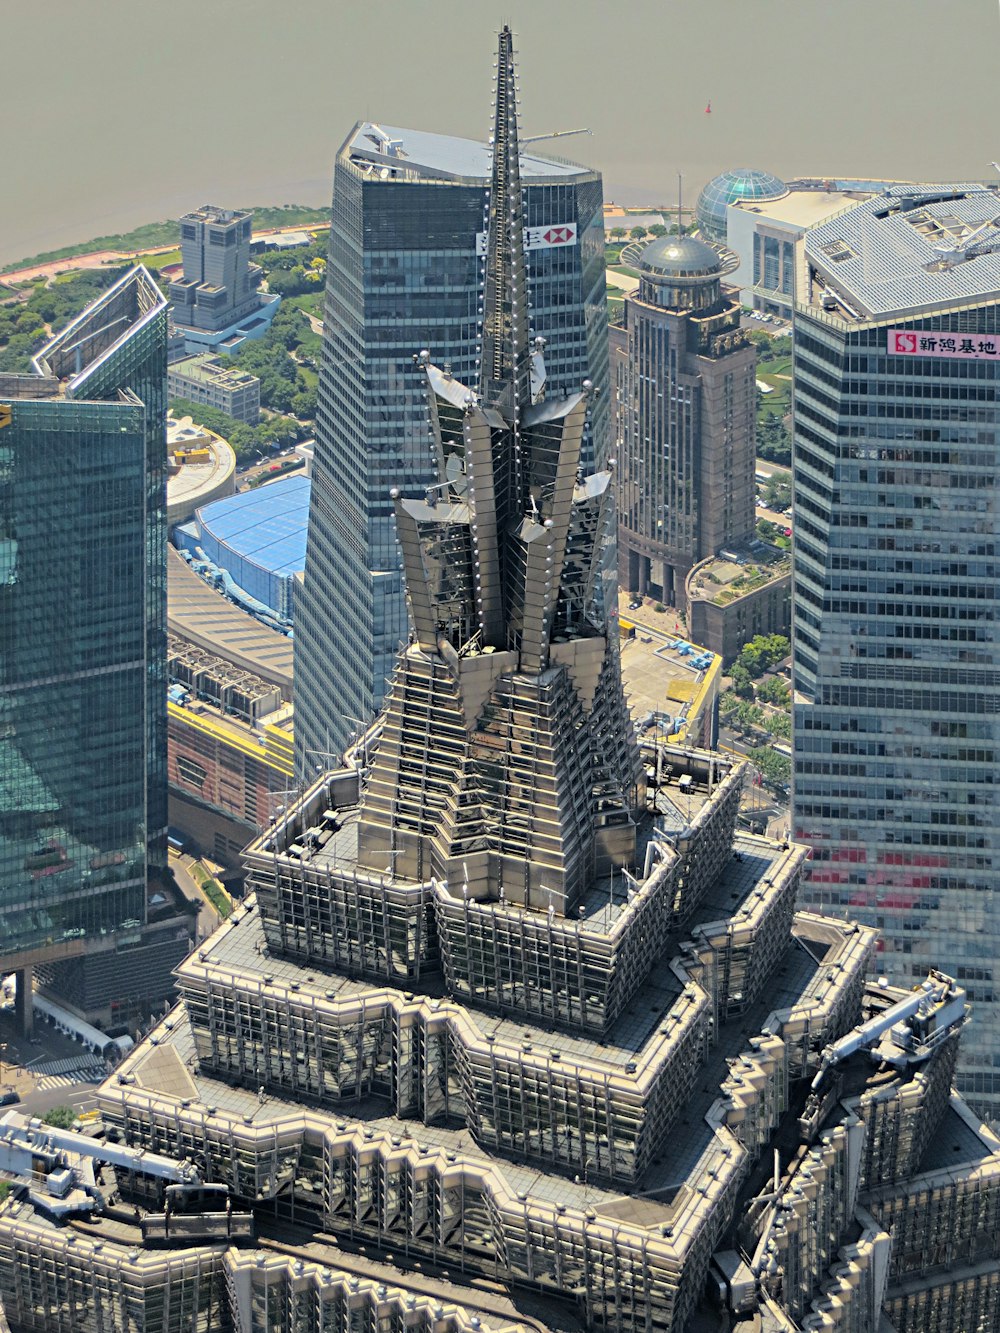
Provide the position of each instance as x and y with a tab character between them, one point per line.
680	210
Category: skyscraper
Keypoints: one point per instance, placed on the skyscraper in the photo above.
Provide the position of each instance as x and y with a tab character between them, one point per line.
897	665
507	1037
686	420
405	269
83	629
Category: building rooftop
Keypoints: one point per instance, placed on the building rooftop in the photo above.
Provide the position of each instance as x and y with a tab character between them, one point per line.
213	213
799	208
911	250
198	613
440	156
207	368
731	575
167	1068
196	480
267	525
69	365
680	256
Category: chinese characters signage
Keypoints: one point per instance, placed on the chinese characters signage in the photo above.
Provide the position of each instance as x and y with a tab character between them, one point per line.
970	346
539	238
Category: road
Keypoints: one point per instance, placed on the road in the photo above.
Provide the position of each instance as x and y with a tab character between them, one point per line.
208	918
98	258
78	1096
622	281
782	520
769	469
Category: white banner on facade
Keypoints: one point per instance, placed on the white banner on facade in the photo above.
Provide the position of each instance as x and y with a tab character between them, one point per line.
915	342
539	238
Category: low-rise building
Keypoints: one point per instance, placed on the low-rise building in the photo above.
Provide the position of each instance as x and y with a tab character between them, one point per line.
229	751
201	467
212	380
735	595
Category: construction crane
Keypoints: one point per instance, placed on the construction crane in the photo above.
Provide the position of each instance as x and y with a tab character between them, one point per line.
556	134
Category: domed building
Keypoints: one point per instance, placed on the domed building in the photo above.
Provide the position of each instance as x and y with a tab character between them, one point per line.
686	411
680	273
740	185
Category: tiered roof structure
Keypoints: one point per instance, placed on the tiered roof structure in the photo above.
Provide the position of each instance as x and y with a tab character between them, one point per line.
516	1031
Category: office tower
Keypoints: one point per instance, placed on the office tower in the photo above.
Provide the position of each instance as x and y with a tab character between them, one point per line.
687	410
220	284
405	270
504	1039
82	630
896	657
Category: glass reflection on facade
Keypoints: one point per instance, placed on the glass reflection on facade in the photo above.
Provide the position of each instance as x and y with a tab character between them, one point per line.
82	624
404	273
895	606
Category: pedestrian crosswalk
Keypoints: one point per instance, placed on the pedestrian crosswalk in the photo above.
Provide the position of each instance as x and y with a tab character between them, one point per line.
65	1080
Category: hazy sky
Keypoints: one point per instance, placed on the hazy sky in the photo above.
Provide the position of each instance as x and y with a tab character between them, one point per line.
122	111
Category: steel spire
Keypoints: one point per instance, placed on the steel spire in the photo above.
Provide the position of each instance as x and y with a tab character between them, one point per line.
505	377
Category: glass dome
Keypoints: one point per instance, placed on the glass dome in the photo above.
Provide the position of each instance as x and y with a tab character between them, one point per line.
727	189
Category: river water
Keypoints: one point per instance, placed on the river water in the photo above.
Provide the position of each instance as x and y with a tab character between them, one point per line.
117	112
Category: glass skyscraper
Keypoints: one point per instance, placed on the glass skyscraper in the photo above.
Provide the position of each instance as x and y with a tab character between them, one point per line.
897	667
407	250
82	628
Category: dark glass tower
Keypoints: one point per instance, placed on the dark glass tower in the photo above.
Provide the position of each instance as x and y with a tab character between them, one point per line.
405	271
82	627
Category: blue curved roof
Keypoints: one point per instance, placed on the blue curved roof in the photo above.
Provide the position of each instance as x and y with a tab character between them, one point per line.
742	183
267	525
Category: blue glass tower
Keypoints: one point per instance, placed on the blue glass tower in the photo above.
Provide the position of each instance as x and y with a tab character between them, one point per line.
407	249
82	628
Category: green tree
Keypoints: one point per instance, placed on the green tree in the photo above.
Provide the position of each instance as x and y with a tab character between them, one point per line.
61	1117
763	344
740	678
29	321
774	768
775	691
780	725
761	653
657	230
618	233
777	492
637	233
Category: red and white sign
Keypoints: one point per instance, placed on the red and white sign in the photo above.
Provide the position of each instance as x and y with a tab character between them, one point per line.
539	238
968	346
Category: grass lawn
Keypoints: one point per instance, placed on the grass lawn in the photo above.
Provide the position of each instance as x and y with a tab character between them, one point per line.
624	268
212	889
776	375
310	302
160	261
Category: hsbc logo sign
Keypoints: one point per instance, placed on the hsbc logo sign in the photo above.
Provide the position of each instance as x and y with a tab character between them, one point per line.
539	238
